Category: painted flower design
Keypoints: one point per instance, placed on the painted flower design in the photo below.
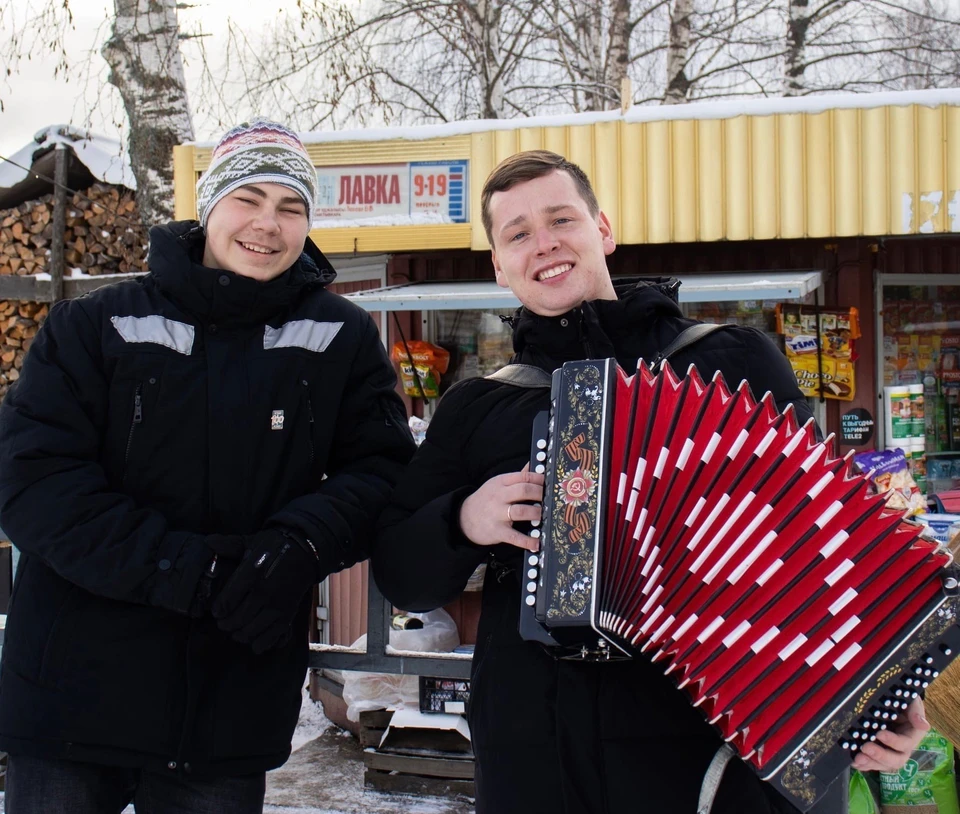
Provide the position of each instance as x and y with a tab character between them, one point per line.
577	487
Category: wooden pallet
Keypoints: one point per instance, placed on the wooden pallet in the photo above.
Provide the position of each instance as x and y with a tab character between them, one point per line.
373	723
391	783
438	764
426	762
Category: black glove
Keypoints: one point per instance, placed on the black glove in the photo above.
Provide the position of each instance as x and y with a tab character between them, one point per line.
226	550
257	604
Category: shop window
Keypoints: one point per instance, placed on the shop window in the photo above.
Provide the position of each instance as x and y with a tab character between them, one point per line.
920	371
748	313
479	342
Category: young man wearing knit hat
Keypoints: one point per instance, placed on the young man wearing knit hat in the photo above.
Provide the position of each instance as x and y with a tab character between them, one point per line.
183	458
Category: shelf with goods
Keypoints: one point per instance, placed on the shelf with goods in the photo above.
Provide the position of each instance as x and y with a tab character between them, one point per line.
918	328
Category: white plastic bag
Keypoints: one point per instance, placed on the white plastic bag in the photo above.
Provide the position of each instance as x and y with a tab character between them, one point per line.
366	691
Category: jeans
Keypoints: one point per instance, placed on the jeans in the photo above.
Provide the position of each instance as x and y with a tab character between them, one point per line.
42	786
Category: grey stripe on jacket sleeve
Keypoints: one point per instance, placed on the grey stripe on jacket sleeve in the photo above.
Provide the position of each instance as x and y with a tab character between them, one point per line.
301	333
157	330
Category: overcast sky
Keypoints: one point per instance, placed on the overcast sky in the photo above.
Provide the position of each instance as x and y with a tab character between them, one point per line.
33	99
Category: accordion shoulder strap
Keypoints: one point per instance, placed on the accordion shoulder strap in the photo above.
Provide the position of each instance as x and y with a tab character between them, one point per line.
684	340
533	376
521	376
711	780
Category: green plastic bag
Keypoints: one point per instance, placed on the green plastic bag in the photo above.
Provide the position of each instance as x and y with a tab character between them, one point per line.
926	785
861	797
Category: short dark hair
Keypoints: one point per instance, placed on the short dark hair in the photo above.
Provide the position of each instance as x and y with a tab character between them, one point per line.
526	166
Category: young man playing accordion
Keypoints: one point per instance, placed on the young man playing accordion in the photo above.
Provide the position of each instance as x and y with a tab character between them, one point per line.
554	735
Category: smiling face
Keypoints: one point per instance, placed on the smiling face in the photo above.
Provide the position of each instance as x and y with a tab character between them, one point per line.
547	247
257	231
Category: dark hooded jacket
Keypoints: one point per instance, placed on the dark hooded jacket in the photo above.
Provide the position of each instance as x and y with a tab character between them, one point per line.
149	414
553	735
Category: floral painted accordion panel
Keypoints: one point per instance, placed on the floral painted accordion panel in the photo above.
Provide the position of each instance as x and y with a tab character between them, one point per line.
698	527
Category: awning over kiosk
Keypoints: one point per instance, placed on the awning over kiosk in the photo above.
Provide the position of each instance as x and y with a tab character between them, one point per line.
486	294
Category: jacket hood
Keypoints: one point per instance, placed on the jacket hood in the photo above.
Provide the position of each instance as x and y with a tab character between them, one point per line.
218	295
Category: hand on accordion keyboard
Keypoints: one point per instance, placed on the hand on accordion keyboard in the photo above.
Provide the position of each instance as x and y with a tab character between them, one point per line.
488	515
893	747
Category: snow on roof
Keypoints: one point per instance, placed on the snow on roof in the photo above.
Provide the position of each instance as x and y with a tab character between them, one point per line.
726	109
102	156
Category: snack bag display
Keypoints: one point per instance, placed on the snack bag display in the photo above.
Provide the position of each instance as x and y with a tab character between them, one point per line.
926	785
833	365
421	365
891	477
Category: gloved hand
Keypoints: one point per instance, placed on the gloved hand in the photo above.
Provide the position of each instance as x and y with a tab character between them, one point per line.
260	599
226	550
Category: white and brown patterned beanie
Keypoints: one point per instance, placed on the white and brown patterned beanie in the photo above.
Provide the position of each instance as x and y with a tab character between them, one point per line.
261	152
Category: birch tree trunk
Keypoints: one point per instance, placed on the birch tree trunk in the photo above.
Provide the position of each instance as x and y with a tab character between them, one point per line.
619	55
678	53
143	53
798	22
481	19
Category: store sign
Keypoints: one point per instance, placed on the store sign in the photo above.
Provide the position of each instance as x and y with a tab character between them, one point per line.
856	427
419	192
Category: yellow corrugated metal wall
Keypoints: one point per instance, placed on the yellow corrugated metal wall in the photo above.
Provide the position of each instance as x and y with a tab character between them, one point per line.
888	170
842	172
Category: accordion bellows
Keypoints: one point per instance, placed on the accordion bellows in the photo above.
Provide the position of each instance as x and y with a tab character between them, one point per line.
699	527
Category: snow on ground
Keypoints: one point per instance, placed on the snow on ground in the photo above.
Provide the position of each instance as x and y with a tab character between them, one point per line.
312	724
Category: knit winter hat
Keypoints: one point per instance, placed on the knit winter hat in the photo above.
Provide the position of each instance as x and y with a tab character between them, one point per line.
256	152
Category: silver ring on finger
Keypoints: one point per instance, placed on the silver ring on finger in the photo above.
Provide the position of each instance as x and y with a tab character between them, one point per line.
509	509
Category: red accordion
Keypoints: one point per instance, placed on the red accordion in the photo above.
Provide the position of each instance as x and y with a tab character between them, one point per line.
705	530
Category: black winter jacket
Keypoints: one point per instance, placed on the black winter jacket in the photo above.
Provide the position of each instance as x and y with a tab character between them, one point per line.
561	736
151	413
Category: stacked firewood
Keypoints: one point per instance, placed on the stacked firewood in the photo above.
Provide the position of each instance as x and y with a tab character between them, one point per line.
103	234
19	323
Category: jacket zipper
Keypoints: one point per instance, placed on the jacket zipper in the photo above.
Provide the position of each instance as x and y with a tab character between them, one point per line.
306	390
137	419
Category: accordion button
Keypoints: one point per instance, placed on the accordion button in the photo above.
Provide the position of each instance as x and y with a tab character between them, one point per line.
845	745
928	660
531	600
533	559
531	586
936	673
532	573
535	534
540	469
946	650
534	523
541	443
541	456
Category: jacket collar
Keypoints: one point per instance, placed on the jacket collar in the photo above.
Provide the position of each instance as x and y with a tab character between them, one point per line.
175	259
596	329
